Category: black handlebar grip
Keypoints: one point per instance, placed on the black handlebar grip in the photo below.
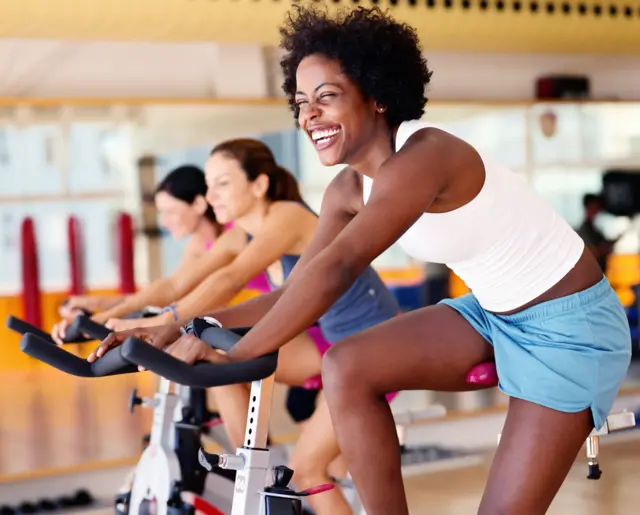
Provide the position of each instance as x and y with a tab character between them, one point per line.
93	329
84	325
201	374
218	338
22	327
111	363
214	335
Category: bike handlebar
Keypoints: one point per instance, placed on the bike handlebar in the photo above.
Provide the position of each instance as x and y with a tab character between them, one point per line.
22	327
75	332
111	363
133	352
202	374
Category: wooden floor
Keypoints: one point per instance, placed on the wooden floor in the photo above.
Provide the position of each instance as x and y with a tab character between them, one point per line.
458	492
51	422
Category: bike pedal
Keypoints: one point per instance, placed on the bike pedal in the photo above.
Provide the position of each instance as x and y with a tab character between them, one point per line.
121	503
212	423
208	460
186	425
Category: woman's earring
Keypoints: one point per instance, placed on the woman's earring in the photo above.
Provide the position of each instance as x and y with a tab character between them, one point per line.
381	109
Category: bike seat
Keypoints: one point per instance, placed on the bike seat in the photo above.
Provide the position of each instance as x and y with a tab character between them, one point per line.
483	374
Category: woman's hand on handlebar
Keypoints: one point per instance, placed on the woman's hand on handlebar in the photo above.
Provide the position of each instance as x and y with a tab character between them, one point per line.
159	337
59	331
190	349
76	303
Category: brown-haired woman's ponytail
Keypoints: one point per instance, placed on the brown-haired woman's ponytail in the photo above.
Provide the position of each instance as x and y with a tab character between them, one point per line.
283	186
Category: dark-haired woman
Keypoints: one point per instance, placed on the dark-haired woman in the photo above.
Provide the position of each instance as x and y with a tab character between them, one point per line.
539	304
180	199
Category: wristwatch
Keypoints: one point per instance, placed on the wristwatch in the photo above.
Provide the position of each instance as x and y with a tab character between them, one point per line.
197	325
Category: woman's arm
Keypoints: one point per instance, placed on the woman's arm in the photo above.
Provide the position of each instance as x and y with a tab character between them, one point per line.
283	229
403	190
193	268
91	303
105	302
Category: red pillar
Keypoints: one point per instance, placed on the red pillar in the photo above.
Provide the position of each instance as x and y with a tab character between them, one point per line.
124	246
76	255
31	302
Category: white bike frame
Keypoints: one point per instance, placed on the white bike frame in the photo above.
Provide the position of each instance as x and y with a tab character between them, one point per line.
158	468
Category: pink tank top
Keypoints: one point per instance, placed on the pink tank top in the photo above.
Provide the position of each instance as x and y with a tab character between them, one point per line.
259	282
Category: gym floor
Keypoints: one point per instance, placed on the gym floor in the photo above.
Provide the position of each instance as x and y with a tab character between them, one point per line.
58	432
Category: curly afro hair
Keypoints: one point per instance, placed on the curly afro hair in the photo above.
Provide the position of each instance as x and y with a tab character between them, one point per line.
380	55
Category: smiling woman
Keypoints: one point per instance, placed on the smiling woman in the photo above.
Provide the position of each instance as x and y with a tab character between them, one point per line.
539	303
353	76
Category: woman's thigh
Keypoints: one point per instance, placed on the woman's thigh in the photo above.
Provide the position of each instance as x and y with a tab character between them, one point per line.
298	361
432	348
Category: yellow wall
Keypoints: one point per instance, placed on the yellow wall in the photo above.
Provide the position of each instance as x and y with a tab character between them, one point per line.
403	276
11	357
623	272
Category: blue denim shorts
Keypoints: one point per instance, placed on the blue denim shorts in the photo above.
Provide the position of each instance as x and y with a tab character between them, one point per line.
567	354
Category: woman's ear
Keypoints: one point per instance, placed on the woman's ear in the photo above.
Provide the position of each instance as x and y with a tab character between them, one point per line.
260	186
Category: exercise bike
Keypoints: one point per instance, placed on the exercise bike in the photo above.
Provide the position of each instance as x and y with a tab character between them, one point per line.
161	492
181	420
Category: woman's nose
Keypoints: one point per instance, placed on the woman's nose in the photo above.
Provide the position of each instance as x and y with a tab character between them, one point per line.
309	113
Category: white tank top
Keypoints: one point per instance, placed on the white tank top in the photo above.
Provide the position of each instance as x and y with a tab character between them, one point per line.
508	245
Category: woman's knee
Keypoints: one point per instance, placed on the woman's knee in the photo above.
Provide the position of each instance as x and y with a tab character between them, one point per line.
307	472
341	367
